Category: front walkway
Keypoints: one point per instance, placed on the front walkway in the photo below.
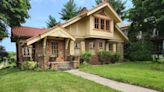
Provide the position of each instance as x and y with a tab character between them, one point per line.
110	83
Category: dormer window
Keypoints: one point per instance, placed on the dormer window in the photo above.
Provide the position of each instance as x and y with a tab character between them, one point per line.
107	25
96	23
102	24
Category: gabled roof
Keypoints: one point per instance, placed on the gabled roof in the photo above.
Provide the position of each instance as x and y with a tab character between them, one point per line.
120	31
56	31
88	13
27	31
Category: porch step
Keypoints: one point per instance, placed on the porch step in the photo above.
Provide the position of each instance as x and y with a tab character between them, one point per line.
64	66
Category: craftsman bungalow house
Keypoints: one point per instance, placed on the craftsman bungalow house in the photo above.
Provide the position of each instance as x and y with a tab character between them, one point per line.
92	30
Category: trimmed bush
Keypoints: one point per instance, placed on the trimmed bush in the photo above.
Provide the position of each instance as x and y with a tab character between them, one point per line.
108	57
85	57
104	57
29	65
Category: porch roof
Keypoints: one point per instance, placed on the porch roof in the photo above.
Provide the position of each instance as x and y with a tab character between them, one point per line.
56	31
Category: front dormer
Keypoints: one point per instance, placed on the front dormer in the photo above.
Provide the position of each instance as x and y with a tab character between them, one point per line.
101	25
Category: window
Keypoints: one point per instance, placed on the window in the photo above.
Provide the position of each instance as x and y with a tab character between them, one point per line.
91	45
100	45
77	45
97	23
110	47
26	51
107	25
102	24
54	48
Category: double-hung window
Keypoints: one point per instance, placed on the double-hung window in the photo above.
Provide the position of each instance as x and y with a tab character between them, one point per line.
102	24
96	23
107	25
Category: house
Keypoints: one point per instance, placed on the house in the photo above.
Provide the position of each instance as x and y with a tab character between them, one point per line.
92	30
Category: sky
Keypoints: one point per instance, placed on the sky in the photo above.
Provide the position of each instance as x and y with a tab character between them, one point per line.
40	11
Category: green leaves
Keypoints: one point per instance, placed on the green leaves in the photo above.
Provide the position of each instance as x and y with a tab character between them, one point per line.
12	13
70	10
51	22
118	5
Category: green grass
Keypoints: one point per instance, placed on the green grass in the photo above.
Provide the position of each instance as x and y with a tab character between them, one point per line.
143	74
14	80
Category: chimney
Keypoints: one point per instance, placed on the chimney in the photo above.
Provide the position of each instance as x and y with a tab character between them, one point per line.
83	10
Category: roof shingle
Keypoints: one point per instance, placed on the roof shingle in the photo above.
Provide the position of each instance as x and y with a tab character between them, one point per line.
27	31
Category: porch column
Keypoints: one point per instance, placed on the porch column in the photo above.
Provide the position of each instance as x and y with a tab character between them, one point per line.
114	47
45	61
82	43
107	46
44	46
72	44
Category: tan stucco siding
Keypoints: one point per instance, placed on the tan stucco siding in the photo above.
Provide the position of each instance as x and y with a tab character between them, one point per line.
80	28
118	36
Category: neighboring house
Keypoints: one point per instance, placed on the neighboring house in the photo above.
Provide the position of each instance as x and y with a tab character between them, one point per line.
92	30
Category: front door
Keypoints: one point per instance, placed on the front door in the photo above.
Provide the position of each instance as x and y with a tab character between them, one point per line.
57	50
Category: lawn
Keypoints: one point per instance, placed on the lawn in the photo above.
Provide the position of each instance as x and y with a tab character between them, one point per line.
14	80
143	74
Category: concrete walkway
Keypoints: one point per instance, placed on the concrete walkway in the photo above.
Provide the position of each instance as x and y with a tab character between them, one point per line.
123	87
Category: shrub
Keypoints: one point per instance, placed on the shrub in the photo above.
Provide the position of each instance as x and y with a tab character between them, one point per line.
106	57
85	57
139	51
29	65
115	57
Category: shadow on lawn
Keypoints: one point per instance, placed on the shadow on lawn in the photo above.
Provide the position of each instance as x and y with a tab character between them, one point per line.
8	70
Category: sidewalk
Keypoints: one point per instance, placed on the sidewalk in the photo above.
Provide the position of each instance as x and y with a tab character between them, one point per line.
123	87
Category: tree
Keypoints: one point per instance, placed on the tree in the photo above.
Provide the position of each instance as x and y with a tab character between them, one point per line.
118	5
51	22
151	8
3	53
12	13
70	10
143	10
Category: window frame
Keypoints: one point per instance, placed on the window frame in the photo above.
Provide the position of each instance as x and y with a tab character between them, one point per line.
107	26
101	45
54	48
98	24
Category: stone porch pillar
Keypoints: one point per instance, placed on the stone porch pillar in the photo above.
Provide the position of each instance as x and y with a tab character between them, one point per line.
45	58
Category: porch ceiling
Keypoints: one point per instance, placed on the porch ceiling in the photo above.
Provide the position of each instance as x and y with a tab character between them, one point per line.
56	31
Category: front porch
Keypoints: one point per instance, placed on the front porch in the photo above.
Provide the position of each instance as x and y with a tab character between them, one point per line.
51	50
